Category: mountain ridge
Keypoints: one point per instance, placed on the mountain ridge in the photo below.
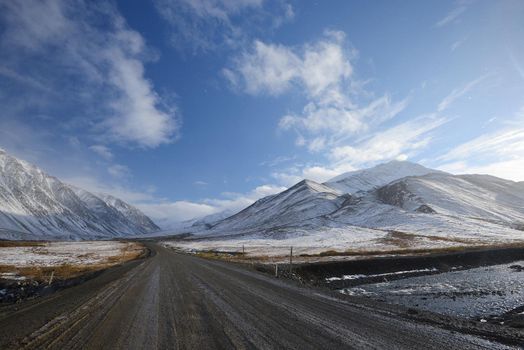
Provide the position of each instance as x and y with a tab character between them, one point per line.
41	206
413	199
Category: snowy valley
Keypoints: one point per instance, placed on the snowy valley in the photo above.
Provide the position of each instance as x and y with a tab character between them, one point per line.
393	207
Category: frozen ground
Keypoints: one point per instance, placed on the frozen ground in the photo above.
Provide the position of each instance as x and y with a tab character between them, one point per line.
303	242
475	293
329	242
51	254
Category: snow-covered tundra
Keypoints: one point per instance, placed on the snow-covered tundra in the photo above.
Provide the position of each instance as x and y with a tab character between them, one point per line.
21	260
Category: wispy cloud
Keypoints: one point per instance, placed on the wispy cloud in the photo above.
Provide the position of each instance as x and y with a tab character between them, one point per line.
206	25
453	14
278	160
99	71
458	43
399	141
169	212
459	92
517	65
274	68
102	151
324	72
119	171
499	153
318	173
342	121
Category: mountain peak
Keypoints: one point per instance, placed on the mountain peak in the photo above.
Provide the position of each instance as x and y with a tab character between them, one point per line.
40	205
379	175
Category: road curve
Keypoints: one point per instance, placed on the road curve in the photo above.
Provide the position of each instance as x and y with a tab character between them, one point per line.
176	301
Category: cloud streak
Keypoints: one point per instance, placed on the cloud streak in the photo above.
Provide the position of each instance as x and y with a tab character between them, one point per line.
451	16
207	25
458	93
99	73
499	153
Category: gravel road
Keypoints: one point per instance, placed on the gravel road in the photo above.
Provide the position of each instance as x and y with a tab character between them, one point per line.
176	301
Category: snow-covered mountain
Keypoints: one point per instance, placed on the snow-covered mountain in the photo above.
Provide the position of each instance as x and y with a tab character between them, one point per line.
211	220
395	196
36	205
474	196
380	175
306	200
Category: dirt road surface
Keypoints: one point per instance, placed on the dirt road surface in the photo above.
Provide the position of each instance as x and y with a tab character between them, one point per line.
176	301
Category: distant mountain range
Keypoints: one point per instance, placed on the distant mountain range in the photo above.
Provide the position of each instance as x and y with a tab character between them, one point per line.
36	205
398	195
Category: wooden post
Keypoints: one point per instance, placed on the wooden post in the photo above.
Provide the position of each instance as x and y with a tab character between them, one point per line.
243	251
51	278
291	261
276	270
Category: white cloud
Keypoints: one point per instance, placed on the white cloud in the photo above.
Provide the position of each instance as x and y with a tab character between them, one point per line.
274	69
317	173
321	174
119	171
516	64
200	183
102	151
499	153
237	201
400	142
458	93
397	141
341	118
458	44
324	72
104	57
508	169
337	122
25	80
287	178
451	16
167	212
138	118
206	25
267	68
278	160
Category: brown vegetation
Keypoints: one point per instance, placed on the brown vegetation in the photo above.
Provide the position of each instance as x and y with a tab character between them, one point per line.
131	251
415	251
4	244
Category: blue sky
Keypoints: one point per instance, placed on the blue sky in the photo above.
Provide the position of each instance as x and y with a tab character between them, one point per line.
187	108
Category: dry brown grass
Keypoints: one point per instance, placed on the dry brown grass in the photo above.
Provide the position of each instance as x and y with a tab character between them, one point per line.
235	256
4	244
406	240
400	238
415	251
132	251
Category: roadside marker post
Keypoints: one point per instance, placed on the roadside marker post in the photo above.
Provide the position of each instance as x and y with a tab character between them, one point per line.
51	278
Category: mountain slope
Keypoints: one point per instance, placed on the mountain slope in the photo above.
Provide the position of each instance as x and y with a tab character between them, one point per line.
380	175
418	201
306	200
41	206
474	196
